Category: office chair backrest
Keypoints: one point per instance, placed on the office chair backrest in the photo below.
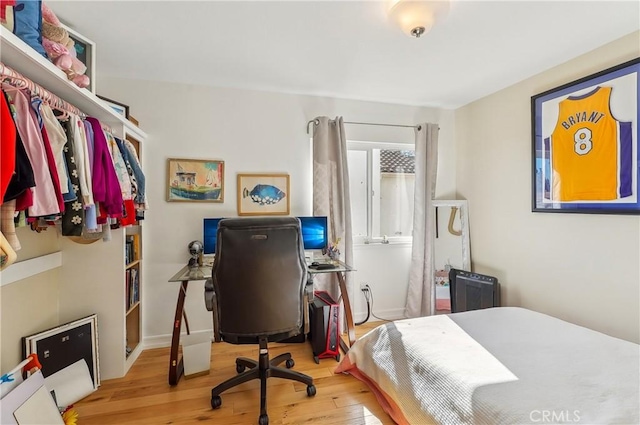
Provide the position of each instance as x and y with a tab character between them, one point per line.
259	276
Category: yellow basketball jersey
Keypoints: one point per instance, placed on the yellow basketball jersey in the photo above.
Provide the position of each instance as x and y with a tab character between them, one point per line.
584	149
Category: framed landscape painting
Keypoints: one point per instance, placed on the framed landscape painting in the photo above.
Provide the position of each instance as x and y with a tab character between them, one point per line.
263	194
585	144
195	180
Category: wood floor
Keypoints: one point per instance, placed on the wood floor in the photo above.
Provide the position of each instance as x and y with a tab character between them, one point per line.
144	396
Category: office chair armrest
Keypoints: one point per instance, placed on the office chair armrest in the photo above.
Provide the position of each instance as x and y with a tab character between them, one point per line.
209	294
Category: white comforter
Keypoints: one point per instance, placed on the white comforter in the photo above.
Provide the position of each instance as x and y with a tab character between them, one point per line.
498	366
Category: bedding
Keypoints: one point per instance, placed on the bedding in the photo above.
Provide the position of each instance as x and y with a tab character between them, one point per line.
502	365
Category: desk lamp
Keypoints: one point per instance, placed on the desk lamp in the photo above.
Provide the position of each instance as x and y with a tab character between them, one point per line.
195	251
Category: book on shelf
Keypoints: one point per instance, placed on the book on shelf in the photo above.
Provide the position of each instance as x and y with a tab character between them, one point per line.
132	287
132	248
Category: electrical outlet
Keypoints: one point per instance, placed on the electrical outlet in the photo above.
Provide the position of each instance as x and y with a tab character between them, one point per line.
364	286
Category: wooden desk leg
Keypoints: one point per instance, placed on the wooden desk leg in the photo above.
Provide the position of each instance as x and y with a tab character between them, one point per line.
176	367
186	321
351	330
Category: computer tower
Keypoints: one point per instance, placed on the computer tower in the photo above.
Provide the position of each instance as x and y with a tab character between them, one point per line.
323	335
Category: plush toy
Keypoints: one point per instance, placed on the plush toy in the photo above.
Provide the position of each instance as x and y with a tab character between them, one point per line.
60	48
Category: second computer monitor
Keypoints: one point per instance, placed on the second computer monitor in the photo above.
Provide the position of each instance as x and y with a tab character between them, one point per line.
210	235
315	234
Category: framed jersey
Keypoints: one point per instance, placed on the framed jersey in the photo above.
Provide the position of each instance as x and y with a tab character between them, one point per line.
585	156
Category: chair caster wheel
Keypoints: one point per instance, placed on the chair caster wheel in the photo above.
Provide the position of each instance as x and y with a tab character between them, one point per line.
311	390
316	359
263	420
240	368
290	363
216	401
338	358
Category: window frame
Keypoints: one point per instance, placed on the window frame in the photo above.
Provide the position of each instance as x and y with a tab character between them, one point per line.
373	189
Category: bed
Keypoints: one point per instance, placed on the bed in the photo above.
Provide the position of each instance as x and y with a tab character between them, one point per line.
501	365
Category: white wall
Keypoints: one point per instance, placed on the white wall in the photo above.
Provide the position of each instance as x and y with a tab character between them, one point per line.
30	305
251	131
583	268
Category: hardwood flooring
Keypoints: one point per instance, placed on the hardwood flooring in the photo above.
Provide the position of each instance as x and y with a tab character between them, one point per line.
144	396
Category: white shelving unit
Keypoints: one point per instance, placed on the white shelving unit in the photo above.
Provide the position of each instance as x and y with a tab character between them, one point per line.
92	275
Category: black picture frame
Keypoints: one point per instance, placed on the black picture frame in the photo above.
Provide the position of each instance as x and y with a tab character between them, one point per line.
585	156
63	345
119	107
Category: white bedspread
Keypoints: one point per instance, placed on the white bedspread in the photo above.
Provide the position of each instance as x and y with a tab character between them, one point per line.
499	366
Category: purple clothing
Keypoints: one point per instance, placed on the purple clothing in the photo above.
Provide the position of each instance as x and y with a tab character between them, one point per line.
106	188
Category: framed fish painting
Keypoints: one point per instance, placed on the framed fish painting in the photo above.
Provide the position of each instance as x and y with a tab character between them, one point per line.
195	180
263	194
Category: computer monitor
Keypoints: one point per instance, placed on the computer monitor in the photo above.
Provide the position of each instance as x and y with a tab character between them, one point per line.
210	234
315	234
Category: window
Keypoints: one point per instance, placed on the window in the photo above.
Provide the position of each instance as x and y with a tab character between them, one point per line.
381	182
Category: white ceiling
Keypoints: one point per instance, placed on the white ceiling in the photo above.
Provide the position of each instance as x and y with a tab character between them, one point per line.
344	49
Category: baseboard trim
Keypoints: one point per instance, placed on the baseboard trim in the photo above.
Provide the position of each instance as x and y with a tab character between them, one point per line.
162	341
389	314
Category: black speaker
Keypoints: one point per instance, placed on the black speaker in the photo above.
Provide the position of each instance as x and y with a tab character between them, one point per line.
472	291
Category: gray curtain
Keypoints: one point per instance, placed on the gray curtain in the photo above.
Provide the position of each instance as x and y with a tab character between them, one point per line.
331	193
420	295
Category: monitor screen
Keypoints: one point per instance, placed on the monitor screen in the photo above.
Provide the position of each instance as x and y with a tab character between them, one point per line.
210	234
314	232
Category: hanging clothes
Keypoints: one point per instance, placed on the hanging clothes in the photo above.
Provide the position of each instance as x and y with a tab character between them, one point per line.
122	171
22	179
8	147
58	140
125	176
82	160
72	172
106	189
73	216
44	195
131	156
91	221
51	162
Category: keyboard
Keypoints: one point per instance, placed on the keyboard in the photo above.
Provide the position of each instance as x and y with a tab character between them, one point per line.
322	266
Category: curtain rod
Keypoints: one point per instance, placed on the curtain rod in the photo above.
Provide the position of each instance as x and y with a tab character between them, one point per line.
316	122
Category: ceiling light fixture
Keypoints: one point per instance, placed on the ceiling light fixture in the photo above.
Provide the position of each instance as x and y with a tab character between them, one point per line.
416	17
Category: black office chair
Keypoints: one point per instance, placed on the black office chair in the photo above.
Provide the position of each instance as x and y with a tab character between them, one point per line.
259	276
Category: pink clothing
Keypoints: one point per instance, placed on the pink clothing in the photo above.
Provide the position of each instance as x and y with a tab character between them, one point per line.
45	201
53	169
58	140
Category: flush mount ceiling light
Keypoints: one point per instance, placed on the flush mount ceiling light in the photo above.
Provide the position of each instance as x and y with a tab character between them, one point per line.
416	17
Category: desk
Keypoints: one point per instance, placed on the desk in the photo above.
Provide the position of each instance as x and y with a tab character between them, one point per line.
187	274
340	270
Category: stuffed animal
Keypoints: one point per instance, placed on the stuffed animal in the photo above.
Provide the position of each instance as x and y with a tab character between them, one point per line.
60	48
